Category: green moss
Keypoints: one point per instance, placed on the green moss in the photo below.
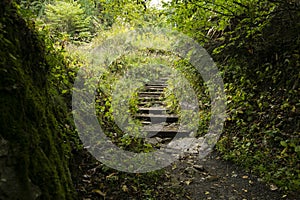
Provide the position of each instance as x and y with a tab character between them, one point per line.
29	118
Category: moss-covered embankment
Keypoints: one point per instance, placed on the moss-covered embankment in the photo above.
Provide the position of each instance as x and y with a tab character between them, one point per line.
34	144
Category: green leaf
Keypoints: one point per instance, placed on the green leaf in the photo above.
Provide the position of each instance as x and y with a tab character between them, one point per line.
283	143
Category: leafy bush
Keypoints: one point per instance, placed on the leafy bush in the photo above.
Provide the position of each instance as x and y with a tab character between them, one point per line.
256	45
68	18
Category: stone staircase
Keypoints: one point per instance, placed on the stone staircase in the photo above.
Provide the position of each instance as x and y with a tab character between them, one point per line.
157	120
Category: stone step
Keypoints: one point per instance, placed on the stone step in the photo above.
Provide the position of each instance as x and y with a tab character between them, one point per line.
161	127
147	99
158	82
165	79
157	85
155	119
151	103
146	123
153	110
150	94
153	89
165	133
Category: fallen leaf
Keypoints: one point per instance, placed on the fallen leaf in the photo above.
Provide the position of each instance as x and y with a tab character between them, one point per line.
188	197
125	188
245	190
245	177
233	174
86	181
273	187
188	182
134	188
212	178
198	167
99	192
174	167
112	176
86	176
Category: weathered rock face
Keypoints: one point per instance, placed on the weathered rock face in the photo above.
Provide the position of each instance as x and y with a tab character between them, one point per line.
34	146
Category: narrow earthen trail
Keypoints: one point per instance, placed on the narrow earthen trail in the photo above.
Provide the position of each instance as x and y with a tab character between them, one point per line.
189	177
209	178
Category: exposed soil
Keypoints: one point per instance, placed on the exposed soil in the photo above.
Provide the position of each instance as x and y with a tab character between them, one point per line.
213	178
188	178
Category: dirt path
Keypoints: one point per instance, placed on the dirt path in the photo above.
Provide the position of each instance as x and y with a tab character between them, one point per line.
188	178
213	178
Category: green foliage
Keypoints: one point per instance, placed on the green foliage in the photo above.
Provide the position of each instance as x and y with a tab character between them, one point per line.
185	79
130	13
256	44
68	19
35	8
125	10
112	95
34	118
